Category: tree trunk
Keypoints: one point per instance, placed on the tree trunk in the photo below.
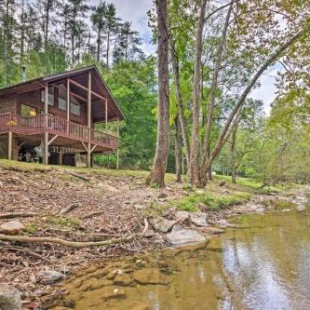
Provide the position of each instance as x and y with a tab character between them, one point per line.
214	85
193	164
98	45
183	122
108	49
177	150
157	176
232	154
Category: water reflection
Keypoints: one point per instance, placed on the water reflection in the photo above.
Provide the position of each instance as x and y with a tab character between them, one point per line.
264	267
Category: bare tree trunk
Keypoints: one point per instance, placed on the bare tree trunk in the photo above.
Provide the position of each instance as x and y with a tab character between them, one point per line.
183	122
177	150
214	85
157	176
193	164
233	117
232	154
108	50
98	45
46	23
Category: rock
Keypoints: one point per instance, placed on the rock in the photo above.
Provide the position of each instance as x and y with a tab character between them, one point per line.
185	236
222	183
199	219
50	276
222	223
214	230
183	217
10	298
300	208
150	276
110	293
162	195
139	207
122	280
12	227
161	224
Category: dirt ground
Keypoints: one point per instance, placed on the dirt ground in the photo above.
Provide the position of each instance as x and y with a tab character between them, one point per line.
75	205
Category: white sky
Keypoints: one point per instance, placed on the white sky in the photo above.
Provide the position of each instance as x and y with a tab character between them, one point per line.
135	11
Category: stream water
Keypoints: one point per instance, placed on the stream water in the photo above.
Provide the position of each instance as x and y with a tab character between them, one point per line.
263	264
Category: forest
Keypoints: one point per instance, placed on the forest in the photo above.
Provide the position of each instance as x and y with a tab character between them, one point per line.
213	55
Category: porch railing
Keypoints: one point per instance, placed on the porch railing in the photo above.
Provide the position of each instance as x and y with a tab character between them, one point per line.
55	125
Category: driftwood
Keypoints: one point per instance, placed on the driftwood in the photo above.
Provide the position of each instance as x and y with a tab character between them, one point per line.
79	176
75	244
17	214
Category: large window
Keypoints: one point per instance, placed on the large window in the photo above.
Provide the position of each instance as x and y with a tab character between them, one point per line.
28	111
62	98
51	95
75	107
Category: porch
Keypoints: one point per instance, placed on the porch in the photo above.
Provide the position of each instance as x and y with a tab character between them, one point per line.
39	124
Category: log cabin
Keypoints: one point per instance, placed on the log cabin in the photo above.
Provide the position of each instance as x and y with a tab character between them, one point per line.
54	119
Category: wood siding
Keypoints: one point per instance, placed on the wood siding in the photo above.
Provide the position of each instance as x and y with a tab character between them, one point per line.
8	104
33	99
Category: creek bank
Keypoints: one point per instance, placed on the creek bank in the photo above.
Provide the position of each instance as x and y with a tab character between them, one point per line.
105	207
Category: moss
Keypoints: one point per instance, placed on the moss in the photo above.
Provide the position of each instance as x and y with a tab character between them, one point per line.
280	204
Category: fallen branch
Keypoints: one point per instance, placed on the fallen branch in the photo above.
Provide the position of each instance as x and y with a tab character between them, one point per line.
79	176
17	214
75	244
69	208
92	214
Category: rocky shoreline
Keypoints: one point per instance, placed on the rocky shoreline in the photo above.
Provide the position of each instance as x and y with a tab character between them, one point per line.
99	209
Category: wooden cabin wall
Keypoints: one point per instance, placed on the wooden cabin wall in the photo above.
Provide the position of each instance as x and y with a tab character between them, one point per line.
8	104
33	99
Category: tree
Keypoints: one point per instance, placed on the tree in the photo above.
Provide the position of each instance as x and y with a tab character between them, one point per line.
157	175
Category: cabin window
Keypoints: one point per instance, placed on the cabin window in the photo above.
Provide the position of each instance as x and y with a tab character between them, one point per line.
62	98
75	107
28	111
51	95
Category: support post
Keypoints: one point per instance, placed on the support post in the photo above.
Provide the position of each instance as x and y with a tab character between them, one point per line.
117	150
106	114
45	154
68	105
10	145
89	117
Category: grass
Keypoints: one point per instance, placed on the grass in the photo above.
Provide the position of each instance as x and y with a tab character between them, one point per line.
212	201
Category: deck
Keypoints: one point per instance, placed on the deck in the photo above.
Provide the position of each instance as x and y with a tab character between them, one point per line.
11	122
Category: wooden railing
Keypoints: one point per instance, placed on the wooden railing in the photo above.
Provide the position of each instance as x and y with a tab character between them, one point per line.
55	125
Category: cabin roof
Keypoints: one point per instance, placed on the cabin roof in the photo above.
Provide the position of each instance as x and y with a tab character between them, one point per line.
79	76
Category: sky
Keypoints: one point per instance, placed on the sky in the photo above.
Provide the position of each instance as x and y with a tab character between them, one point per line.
135	11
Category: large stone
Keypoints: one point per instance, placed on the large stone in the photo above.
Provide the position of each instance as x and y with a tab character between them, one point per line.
11	227
183	217
150	276
185	237
199	219
50	276
10	298
161	224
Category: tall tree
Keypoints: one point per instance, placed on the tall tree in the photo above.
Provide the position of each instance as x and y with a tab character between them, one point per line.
157	176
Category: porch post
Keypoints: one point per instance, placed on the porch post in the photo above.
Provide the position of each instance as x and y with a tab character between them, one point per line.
10	145
117	150
45	155
89	118
68	104
106	114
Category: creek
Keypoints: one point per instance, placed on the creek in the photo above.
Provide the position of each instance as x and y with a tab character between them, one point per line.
262	264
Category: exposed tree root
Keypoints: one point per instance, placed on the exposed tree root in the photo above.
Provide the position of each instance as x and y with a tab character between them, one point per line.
75	244
14	215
